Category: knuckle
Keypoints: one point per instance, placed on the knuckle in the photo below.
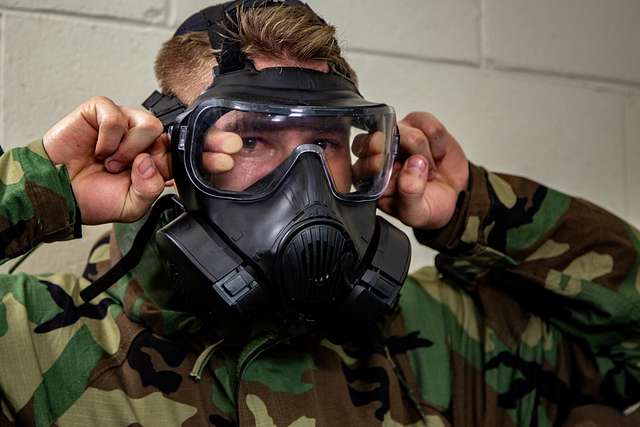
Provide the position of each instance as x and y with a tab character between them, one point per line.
415	115
435	130
410	189
418	117
415	137
99	99
113	122
153	125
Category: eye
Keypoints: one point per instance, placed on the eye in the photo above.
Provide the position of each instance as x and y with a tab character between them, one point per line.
323	143
249	144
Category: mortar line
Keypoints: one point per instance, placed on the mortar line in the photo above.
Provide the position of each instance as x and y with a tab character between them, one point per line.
409	56
566	75
71	15
607	85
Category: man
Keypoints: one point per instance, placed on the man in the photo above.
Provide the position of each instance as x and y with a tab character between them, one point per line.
531	318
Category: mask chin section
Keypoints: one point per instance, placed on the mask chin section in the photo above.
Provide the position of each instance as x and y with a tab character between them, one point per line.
315	269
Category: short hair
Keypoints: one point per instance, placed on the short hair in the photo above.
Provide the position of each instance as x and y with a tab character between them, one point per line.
281	32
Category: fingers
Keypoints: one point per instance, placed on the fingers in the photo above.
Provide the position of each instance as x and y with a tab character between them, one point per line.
404	198
146	185
368	166
368	144
412	180
393	181
217	162
423	190
219	147
123	132
142	130
110	122
96	142
451	163
161	154
421	128
222	142
370	151
414	141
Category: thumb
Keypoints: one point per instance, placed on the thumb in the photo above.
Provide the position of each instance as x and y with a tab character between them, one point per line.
146	185
412	183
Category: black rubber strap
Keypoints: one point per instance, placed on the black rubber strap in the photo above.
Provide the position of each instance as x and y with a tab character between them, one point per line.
132	258
230	56
202	20
164	107
214	17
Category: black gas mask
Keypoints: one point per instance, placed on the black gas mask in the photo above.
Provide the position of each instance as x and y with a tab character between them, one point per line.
280	233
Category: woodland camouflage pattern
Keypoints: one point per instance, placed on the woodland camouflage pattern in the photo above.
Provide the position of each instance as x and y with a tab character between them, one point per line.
532	318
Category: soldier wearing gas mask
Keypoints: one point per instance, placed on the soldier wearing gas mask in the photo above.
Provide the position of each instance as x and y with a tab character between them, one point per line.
267	291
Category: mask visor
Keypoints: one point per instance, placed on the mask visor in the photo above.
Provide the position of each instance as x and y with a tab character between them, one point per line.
243	154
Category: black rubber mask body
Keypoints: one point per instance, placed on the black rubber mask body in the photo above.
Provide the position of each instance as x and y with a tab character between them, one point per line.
303	240
299	261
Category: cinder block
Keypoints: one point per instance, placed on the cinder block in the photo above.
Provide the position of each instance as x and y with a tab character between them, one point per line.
152	11
52	64
423	28
633	159
583	37
567	137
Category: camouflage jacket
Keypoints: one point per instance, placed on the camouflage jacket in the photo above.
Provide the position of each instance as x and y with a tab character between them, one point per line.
530	318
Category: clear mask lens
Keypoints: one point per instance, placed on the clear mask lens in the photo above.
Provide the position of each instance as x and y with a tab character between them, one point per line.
247	153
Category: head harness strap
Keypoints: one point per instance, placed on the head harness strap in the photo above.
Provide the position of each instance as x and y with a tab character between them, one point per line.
164	107
229	55
216	20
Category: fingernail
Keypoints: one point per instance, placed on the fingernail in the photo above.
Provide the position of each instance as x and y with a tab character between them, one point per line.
416	164
146	168
115	166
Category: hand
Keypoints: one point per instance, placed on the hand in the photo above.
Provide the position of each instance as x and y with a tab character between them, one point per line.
117	159
424	188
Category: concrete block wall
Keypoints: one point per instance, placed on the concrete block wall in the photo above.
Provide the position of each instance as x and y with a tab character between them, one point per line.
545	89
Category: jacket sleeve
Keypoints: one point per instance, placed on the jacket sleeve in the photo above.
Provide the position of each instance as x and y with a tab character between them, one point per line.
565	259
36	201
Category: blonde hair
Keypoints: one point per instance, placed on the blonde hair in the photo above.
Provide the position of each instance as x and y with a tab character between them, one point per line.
281	32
